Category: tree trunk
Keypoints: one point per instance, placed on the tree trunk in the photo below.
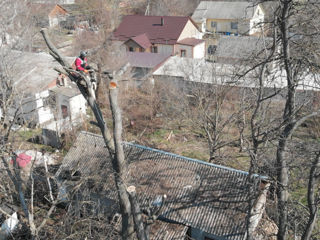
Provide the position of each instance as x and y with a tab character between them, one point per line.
114	146
140	229
312	204
282	189
288	119
120	167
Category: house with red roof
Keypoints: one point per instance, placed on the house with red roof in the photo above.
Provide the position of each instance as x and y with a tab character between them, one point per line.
161	34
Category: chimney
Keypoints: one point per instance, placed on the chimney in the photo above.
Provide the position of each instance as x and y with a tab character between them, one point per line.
162	21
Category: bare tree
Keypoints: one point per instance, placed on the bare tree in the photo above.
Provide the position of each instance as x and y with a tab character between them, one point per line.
294	60
114	145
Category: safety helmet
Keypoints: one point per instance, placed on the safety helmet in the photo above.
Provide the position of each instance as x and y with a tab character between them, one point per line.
83	54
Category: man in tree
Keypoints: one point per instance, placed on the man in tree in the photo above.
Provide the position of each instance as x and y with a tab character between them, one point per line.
82	62
82	66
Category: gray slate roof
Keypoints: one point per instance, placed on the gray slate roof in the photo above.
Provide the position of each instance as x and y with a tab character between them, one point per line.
244	47
33	72
223	10
206	196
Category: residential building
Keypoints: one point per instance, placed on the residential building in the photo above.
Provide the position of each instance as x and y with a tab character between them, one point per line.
43	98
234	18
68	16
161	34
207	201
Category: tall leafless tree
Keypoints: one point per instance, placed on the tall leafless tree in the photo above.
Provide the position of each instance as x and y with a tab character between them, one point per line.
114	145
295	61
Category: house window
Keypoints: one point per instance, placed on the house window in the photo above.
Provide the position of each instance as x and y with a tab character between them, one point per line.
212	49
131	49
154	49
234	25
64	111
183	53
213	24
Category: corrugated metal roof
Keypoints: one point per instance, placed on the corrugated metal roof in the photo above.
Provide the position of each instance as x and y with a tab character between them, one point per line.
163	230
206	196
166	33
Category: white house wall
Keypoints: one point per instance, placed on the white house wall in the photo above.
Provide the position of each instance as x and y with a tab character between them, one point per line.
33	110
77	108
199	50
255	22
53	21
44	115
190	31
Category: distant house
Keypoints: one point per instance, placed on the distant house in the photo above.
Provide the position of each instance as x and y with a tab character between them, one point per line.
207	201
161	34
43	98
225	17
68	16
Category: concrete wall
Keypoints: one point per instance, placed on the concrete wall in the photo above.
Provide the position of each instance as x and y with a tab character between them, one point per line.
188	49
164	49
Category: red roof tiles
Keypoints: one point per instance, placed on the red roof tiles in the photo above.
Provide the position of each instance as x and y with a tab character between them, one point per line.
142	40
159	29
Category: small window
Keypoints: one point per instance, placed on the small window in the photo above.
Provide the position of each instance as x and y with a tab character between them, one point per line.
183	53
64	111
212	49
234	25
214	24
131	49
154	49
